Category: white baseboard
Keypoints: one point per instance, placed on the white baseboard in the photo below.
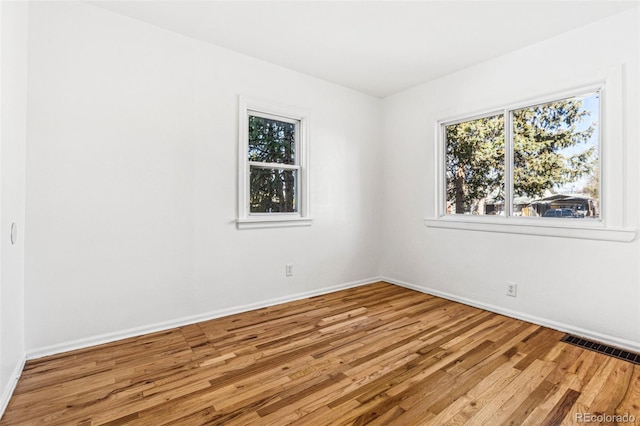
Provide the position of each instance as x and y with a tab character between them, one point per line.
11	385
179	322
565	328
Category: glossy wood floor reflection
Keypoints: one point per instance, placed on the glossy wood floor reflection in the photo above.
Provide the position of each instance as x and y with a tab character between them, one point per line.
376	355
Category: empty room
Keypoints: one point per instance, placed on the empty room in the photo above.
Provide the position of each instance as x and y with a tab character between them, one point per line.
319	212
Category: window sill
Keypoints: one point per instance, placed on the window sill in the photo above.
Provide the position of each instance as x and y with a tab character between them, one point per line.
552	228
273	222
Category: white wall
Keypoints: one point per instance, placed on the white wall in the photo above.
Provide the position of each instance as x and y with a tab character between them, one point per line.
583	286
13	110
131	185
131	181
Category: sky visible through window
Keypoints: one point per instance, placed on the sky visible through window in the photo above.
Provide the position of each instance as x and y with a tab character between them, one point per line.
591	104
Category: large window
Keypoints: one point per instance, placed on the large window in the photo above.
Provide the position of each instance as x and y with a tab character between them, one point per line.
539	160
273	167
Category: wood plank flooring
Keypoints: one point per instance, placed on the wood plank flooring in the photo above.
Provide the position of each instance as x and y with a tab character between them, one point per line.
376	355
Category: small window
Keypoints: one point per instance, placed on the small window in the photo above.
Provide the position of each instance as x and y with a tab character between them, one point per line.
273	164
273	183
540	161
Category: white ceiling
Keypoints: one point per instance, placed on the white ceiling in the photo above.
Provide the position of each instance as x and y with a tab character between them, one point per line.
375	47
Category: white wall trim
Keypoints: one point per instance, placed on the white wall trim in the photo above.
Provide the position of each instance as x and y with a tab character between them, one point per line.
11	385
566	328
152	328
563	228
273	222
192	319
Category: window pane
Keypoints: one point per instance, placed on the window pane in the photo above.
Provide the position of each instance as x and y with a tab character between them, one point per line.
271	141
272	191
556	149
475	166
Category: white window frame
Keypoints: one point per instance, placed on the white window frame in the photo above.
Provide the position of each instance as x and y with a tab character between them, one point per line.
612	225
301	217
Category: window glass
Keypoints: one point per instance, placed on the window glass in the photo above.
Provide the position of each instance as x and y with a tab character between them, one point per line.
271	141
555	153
475	166
272	191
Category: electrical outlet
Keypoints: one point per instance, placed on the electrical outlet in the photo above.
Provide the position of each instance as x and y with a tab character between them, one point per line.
289	269
512	289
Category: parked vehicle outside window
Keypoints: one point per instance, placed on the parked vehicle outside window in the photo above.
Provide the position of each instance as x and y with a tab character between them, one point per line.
567	213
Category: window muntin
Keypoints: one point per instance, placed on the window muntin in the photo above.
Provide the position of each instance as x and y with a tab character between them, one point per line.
546	160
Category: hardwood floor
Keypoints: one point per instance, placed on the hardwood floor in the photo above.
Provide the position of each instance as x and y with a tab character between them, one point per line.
376	355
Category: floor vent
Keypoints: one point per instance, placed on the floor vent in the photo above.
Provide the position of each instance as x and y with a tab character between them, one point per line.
603	349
